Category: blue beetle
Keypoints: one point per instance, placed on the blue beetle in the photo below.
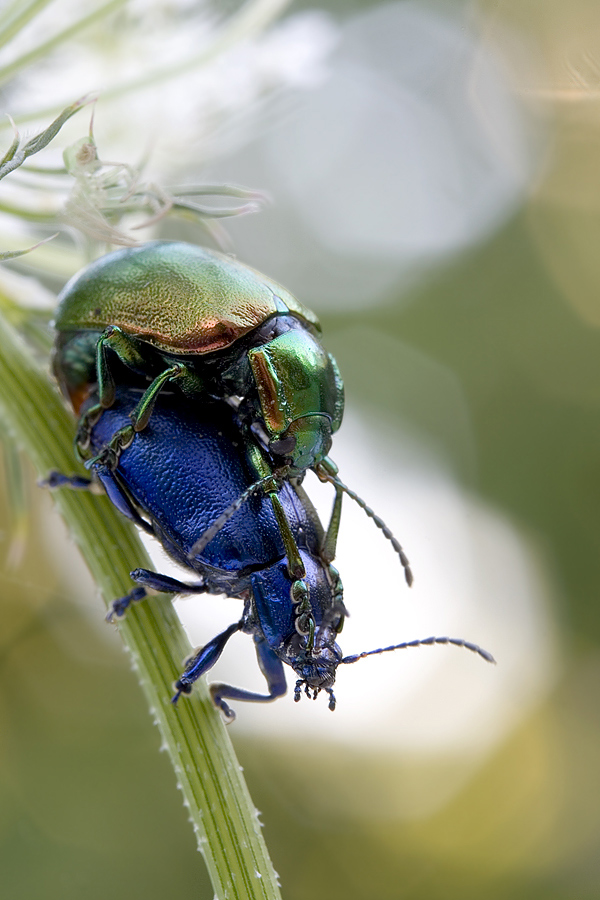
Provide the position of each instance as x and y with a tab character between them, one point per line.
208	495
173	481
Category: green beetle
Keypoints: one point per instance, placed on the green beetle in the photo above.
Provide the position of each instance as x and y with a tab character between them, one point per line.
170	312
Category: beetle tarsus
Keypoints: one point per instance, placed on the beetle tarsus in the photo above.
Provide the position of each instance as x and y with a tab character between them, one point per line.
55	480
118	607
176	696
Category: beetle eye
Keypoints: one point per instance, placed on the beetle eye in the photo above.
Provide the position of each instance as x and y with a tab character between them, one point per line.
284	446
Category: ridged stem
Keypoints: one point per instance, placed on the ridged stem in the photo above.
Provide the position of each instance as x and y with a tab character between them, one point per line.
207	772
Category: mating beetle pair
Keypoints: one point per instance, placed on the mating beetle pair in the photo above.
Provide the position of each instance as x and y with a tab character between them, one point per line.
173	481
204	396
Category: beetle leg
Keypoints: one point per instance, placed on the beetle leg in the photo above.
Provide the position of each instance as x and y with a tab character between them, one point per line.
337	603
202	661
84	430
295	565
117	608
118	497
125	348
141	414
329	544
123	345
165	584
294	560
74	482
271	667
305	623
140	417
157	582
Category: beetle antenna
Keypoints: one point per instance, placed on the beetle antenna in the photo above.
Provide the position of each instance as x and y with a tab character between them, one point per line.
458	642
226	515
376	519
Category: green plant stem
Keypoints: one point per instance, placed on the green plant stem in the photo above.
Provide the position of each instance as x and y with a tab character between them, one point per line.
219	806
14	17
27	59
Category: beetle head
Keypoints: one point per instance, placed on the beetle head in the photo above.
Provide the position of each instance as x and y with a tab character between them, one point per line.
316	665
305	442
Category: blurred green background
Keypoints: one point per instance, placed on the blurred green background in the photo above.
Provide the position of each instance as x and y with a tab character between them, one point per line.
480	342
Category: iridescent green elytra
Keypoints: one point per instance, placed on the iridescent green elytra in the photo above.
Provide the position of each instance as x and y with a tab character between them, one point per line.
170	312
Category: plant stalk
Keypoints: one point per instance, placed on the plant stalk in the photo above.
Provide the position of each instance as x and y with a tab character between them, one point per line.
215	794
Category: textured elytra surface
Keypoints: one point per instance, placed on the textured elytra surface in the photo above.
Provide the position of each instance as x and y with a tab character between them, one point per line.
177	296
183	470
